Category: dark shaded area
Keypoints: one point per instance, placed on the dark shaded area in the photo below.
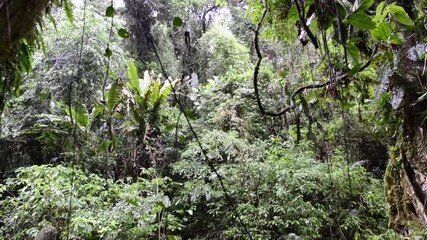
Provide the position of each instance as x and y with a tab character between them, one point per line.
21	151
376	156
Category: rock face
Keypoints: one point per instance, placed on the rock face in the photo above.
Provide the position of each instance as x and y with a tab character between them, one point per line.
47	233
17	19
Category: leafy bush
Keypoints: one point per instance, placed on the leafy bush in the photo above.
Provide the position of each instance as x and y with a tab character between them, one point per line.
39	196
287	191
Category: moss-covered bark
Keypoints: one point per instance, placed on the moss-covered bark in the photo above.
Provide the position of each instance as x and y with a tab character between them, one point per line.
406	175
406	186
17	20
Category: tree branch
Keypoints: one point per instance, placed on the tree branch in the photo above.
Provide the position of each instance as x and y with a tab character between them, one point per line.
258	63
299	90
205	12
304	25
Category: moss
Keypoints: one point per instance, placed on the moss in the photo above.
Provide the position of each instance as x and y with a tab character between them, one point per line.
417	229
398	188
393	190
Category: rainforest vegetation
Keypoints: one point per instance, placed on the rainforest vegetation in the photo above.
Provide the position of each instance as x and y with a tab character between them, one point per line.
213	119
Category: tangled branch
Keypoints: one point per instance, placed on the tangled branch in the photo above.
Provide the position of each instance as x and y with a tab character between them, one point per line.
300	90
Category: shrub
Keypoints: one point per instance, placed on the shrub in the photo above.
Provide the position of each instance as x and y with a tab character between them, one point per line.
285	192
39	196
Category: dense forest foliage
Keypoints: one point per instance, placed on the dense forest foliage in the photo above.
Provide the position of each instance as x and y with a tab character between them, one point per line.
213	119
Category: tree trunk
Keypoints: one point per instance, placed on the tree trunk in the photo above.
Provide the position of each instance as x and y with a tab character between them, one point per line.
406	175
17	19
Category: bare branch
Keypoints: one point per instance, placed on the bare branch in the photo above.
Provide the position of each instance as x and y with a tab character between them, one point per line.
259	55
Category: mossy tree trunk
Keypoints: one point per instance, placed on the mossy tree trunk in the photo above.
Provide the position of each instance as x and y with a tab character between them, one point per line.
17	20
406	175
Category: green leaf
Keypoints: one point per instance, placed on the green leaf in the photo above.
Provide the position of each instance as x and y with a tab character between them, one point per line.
381	32
354	53
380	8
161	205
347	105
174	237
354	70
361	21
68	7
110	12
220	3
96	112
293	14
123	33
397	39
131	128
112	74
190	115
133	202
104	146
167	87
366	4
108	52
133	77
155	93
169	128
182	139
363	5
52	20
400	14
380	14
113	96
177	22
118	116
82	116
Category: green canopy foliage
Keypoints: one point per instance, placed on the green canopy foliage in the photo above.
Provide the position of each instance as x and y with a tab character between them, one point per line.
213	120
